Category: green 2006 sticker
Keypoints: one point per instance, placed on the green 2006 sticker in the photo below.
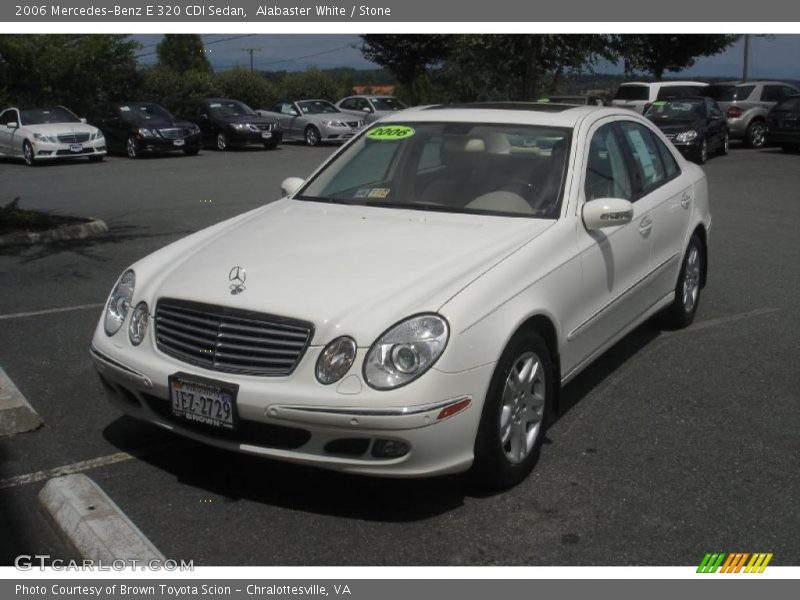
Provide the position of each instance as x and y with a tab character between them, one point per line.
390	132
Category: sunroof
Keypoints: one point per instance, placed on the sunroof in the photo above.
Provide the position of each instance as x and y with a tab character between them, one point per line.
528	106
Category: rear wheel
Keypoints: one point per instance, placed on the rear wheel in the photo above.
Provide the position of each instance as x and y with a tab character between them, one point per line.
515	413
755	135
681	312
27	153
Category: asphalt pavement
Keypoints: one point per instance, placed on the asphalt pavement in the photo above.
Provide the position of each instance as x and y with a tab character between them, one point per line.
673	444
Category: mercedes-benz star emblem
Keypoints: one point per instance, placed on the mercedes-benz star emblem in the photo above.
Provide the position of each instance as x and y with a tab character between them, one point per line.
237	277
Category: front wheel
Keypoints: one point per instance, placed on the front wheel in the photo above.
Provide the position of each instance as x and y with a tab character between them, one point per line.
701	156
131	148
191	151
515	413
222	141
313	136
27	153
681	312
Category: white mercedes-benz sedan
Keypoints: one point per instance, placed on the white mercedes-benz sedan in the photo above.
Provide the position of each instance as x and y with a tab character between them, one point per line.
48	133
413	307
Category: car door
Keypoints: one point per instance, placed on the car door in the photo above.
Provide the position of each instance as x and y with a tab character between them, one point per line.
666	201
716	124
113	127
7	117
615	261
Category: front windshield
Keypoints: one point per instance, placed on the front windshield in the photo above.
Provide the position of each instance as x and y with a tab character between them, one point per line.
230	108
144	111
676	109
508	170
48	114
317	107
387	104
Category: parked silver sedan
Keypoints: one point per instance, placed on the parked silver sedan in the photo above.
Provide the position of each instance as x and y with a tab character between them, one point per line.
313	121
371	108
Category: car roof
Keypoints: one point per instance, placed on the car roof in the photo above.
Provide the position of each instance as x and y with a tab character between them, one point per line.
514	113
662	83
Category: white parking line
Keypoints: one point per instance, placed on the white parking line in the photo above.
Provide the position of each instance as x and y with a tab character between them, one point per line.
77	467
50	311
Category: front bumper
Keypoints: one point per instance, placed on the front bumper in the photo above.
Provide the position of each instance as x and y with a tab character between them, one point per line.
334	134
296	419
161	145
240	137
58	151
783	137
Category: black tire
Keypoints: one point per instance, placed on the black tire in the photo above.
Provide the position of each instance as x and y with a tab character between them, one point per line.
191	151
680	313
492	466
701	154
755	136
271	145
27	154
723	149
313	136
96	159
222	141
131	149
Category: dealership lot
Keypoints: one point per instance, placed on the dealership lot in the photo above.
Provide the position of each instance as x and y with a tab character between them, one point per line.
672	445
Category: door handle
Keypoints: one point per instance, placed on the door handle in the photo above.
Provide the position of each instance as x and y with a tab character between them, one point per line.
645	225
686	198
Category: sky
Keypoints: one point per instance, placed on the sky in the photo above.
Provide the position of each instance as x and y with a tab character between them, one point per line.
776	56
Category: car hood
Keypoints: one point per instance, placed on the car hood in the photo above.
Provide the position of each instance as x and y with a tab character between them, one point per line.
348	269
671	125
161	123
60	128
254	119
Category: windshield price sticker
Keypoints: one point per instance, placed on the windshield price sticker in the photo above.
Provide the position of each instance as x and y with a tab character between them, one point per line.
390	132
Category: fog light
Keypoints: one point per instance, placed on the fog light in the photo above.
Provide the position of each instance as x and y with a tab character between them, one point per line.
389	449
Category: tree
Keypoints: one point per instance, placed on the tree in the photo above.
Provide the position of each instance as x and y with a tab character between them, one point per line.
183	52
658	53
311	83
408	57
78	71
170	88
251	88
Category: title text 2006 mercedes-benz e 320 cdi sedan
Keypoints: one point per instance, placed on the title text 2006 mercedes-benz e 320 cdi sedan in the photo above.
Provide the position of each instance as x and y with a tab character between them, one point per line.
413	306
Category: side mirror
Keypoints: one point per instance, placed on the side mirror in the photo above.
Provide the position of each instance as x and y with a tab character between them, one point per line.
367	109
203	117
294	113
607	212
13	125
290	185
83	120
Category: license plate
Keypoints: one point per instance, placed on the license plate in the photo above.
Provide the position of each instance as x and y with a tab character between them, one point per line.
204	401
76	148
266	135
178	142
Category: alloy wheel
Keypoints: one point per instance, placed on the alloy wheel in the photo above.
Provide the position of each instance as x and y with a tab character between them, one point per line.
312	136
691	280
222	141
130	148
757	135
27	153
523	406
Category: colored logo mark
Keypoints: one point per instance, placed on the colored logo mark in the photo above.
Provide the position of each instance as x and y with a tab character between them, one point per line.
734	562
390	132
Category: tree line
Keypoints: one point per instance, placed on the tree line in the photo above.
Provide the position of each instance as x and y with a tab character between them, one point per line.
86	71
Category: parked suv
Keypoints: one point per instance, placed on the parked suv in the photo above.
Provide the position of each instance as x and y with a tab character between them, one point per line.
639	95
746	105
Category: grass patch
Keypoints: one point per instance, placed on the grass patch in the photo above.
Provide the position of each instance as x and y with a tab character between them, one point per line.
14	219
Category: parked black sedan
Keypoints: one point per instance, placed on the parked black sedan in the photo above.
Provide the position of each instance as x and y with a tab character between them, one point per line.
137	128
225	123
783	124
695	125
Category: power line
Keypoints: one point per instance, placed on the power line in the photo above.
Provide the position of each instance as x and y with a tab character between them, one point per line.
227	39
275	62
250	52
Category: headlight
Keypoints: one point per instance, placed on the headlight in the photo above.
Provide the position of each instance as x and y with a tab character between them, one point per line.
686	136
334	123
39	137
335	360
119	302
239	126
405	351
144	132
98	135
140	319
195	129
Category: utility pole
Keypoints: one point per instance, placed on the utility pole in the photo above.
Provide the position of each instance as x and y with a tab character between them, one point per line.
746	56
250	51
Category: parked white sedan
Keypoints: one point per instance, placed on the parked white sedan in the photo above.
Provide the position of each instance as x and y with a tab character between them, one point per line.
413	307
48	133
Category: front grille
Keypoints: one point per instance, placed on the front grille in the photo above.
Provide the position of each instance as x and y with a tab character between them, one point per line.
249	432
73	138
230	340
175	133
670	136
264	126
